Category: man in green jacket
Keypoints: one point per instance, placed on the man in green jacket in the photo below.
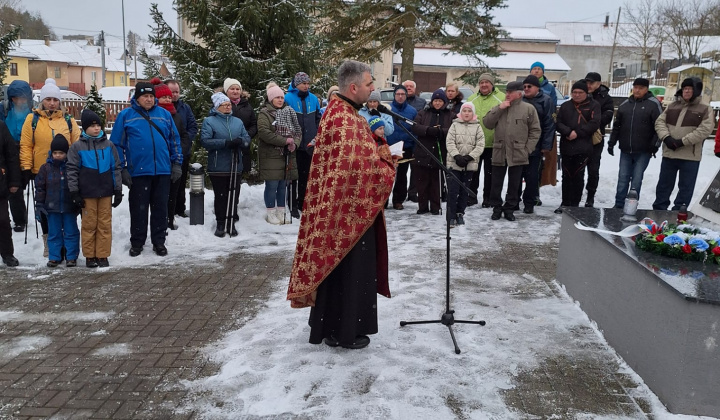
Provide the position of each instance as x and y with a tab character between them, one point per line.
488	96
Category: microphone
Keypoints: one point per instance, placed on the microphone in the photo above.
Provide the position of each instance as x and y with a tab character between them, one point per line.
382	108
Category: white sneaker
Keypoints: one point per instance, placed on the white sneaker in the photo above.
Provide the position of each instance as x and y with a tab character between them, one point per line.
282	216
271	217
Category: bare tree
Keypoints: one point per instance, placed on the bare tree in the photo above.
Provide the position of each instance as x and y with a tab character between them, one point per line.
643	29
687	22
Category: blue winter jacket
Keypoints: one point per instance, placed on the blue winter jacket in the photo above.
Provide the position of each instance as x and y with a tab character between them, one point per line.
14	117
308	114
93	167
387	119
216	129
549	89
188	117
545	109
51	187
399	134
142	149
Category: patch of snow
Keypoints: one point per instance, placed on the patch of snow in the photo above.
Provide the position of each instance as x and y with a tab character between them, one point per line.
18	345
120	349
72	316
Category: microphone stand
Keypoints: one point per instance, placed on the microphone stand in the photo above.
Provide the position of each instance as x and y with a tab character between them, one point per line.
448	317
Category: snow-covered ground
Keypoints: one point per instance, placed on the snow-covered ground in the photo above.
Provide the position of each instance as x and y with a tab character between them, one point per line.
268	367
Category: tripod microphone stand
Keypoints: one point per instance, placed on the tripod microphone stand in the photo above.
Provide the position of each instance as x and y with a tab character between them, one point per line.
448	317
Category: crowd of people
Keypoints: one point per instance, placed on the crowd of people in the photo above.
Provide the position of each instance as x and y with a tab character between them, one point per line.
491	135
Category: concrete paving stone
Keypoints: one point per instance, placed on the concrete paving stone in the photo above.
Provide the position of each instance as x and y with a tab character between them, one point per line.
108	408
127	409
42	412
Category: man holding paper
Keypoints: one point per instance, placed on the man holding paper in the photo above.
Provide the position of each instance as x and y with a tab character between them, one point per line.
341	258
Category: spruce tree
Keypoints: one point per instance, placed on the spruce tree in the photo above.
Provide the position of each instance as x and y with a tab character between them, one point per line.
94	103
6	42
362	29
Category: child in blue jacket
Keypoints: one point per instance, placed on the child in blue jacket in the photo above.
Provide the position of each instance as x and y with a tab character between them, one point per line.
52	198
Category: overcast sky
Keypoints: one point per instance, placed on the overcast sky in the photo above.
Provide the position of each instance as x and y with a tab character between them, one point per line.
90	16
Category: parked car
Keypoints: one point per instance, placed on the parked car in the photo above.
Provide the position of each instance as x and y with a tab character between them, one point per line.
467	92
117	93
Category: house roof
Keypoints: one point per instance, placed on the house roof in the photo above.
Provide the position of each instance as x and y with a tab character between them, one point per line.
18	51
530	34
437	57
42	52
593	34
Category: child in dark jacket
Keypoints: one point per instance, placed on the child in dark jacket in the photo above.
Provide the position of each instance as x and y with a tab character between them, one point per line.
93	172
52	198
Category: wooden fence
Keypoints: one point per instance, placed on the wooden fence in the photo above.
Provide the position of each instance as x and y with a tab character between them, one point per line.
112	109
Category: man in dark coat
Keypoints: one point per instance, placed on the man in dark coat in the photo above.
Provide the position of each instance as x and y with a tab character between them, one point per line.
545	109
412	99
634	128
600	94
577	120
10	182
186	115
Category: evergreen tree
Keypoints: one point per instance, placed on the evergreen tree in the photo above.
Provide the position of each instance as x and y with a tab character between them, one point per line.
152	68
6	43
94	103
362	29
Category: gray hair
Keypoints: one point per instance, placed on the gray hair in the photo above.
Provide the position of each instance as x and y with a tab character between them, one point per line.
350	72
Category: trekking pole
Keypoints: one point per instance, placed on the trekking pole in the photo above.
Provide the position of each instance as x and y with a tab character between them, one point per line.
287	171
37	235
27	212
229	213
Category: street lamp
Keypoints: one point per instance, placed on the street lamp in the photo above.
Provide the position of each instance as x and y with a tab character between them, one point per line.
197	194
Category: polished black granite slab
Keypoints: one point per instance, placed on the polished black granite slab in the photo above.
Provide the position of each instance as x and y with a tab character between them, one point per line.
694	280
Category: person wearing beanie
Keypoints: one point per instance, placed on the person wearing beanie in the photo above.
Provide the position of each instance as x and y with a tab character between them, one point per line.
241	108
545	109
53	199
279	135
370	110
402	133
634	129
431	127
38	132
600	94
186	114
19	106
377	128
537	69
682	127
517	131
144	127
487	97
577	120
223	135
10	183
307	107
331	93
412	99
95	186
165	100
465	144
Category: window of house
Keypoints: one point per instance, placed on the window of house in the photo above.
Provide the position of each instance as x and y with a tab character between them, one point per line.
93	76
13	69
57	72
588	38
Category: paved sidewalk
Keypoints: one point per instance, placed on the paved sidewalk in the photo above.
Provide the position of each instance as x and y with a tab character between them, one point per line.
115	344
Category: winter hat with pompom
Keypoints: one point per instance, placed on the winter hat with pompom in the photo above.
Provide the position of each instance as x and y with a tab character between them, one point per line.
161	89
50	90
468	105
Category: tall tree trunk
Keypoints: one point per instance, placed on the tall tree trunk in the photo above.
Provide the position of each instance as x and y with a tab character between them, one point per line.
407	70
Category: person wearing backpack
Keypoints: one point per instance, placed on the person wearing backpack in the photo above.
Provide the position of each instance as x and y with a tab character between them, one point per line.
151	157
40	128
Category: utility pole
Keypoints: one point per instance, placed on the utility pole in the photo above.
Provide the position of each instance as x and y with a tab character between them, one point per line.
102	55
124	43
612	53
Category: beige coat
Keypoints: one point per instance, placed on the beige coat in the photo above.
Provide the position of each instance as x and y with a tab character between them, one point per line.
517	130
691	122
465	138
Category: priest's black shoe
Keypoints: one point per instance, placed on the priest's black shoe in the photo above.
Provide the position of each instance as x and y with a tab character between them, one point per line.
331	341
361	341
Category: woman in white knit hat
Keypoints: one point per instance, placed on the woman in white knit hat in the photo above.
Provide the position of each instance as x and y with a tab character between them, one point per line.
241	108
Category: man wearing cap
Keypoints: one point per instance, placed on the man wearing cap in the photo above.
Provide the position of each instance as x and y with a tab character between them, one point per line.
683	127
634	128
537	69
577	120
38	132
307	107
517	131
400	106
600	94
415	101
369	111
186	114
487	97
148	144
545	110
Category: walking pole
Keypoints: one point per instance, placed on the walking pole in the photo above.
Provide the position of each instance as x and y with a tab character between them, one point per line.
27	212
37	235
287	170
229	217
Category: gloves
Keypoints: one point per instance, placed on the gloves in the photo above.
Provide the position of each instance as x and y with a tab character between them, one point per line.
77	201
175	172
434	131
117	198
467	159
234	143
673	143
26	177
611	150
126	178
40	210
374	112
460	161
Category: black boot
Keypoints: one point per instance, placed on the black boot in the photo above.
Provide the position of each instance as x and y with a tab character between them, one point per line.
590	200
497	212
10	260
509	215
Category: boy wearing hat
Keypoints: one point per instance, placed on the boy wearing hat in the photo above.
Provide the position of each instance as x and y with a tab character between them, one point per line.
683	127
600	94
537	69
94	182
377	127
53	199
